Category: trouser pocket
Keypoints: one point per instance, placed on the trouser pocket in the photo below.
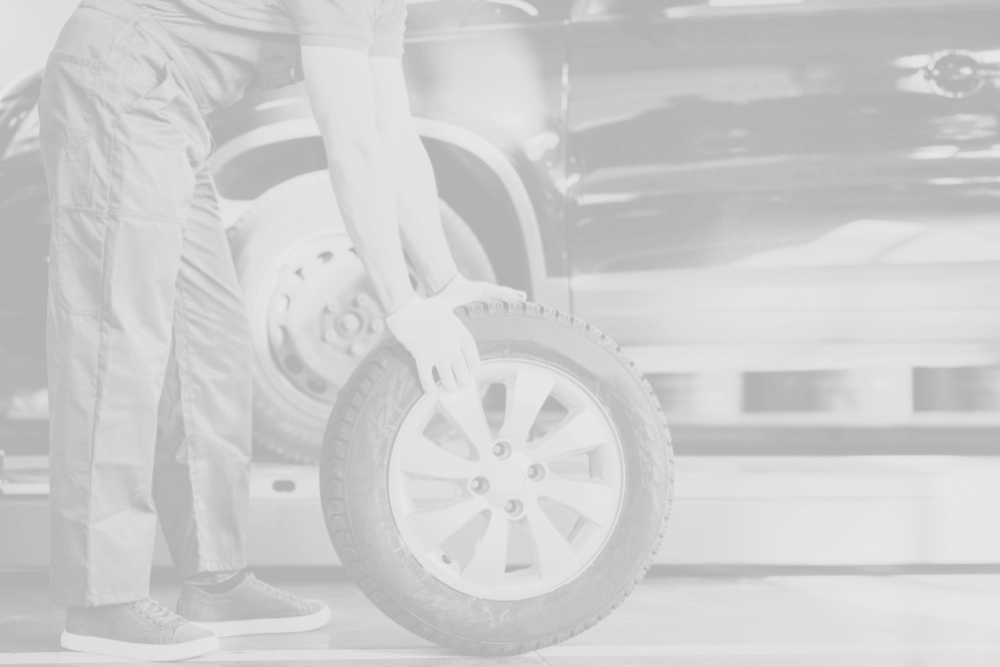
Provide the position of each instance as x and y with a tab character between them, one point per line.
160	142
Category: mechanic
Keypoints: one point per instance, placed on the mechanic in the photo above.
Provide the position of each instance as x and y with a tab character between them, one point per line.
149	347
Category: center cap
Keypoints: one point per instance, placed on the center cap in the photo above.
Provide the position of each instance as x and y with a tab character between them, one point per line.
509	478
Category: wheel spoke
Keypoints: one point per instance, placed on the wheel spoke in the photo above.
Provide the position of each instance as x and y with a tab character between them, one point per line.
435	526
580	432
593	501
419	455
553	555
526	393
464	409
488	564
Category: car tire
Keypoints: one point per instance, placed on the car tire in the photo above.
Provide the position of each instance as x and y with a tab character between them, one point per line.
359	485
291	246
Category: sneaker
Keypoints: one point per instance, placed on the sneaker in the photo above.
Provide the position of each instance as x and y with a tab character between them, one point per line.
143	630
250	608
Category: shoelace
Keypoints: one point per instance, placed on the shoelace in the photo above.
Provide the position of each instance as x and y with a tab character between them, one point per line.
254	581
156	613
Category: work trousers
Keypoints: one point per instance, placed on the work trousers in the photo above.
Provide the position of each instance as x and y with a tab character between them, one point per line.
147	335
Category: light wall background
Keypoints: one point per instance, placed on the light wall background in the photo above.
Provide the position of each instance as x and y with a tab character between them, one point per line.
28	30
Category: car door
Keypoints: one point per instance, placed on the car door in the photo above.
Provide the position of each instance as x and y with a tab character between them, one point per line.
765	188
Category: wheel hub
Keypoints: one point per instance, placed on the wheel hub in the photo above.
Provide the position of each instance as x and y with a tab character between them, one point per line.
513	505
349	324
510	479
316	341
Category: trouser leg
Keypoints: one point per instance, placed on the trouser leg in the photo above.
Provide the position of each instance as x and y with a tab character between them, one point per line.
121	154
201	482
106	370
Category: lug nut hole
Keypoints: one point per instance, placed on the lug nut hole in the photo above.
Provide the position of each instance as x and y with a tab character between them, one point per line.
536	473
293	363
513	507
479	485
501	449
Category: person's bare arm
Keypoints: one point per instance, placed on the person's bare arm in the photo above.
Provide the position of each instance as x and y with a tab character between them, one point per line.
416	189
416	194
343	101
361	169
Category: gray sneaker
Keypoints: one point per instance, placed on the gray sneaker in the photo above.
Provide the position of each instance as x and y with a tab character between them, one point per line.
251	608
143	630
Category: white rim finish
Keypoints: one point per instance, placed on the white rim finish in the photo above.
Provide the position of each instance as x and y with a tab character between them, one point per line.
513	506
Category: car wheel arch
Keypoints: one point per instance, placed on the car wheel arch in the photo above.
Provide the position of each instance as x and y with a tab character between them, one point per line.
468	167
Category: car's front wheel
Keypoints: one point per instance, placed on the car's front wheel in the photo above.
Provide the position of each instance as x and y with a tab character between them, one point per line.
313	312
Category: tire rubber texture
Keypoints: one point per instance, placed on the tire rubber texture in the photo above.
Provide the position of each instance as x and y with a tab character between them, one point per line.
293	210
355	495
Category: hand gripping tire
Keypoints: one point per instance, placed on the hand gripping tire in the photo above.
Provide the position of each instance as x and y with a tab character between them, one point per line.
507	519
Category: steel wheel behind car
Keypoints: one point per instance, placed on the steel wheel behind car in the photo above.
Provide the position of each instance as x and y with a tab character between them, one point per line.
511	515
313	312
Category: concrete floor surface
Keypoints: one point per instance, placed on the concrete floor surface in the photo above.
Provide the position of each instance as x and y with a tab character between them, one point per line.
726	621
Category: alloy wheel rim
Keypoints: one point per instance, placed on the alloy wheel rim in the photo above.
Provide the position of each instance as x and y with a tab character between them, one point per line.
511	489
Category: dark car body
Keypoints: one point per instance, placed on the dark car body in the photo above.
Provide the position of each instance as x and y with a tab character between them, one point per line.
785	210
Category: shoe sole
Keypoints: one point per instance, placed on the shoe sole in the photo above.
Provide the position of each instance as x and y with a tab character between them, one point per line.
147	652
267	626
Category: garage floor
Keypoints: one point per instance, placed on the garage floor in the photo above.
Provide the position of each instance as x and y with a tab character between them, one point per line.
744	619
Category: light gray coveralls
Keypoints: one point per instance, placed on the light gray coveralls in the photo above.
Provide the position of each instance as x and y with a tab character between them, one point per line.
148	339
